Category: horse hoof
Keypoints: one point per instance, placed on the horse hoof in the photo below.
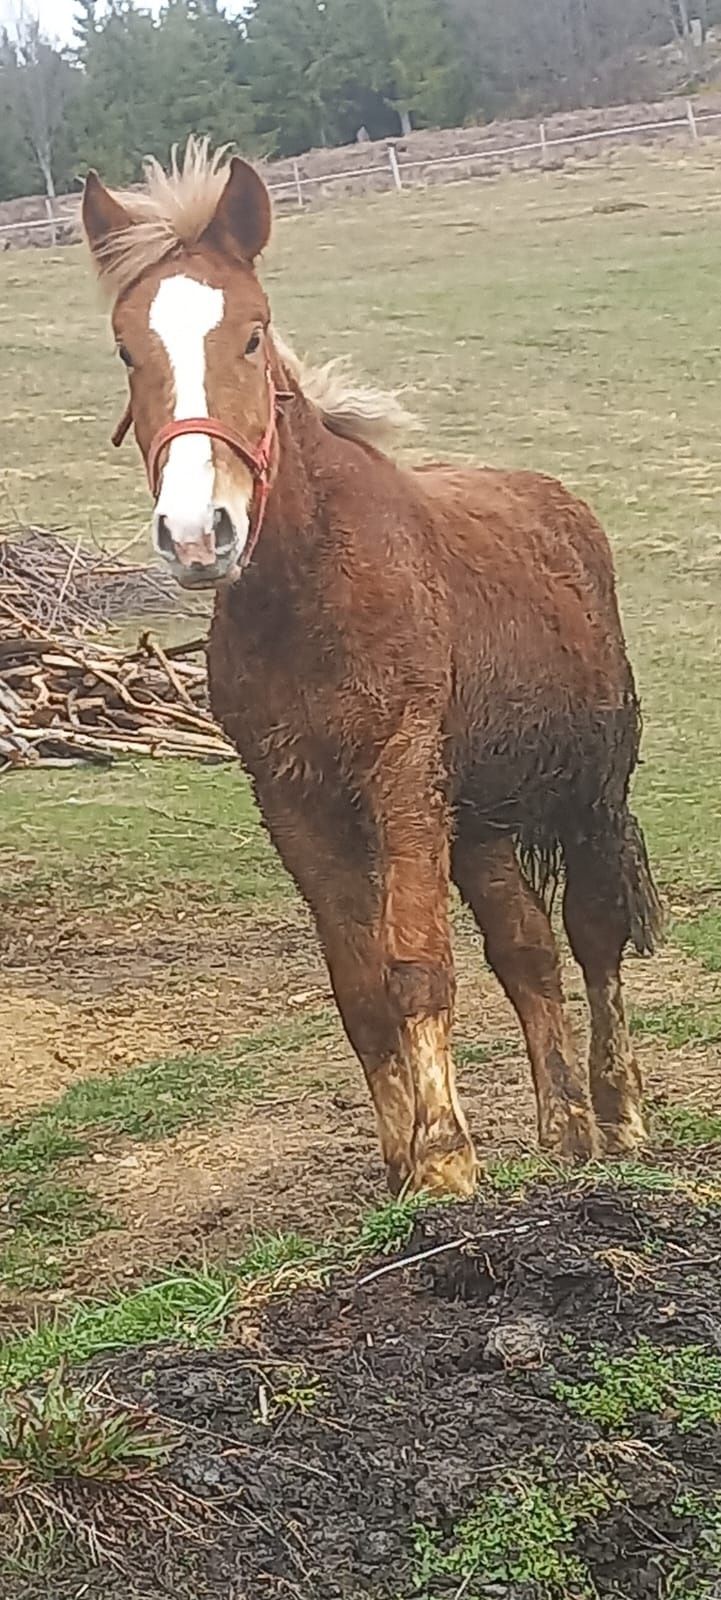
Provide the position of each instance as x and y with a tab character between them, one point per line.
446	1172
576	1138
626	1136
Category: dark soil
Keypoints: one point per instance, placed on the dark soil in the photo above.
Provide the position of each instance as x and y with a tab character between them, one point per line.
401	1400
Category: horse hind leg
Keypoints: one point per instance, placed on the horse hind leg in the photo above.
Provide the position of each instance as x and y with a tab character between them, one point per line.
610	898
521	950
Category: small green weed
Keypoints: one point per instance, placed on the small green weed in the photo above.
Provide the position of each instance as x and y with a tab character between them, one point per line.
513	1176
40	1223
70	1432
695	1576
683	1384
521	1534
390	1226
287	1389
678	1025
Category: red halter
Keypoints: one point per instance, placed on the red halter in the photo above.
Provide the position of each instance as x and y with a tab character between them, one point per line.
259	460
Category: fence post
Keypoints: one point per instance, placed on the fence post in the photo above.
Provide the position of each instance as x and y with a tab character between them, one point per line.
544	141
395	169
298	184
691	114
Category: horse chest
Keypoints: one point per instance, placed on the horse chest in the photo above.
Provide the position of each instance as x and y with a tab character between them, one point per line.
277	700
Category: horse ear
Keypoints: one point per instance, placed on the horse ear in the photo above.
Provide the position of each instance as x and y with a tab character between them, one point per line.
102	214
243	218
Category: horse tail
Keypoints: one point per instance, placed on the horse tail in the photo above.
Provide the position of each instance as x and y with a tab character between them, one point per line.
643	906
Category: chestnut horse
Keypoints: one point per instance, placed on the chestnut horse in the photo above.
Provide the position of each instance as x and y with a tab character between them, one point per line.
423	670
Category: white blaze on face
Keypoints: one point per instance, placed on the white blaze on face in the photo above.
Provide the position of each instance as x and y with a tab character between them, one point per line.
182	315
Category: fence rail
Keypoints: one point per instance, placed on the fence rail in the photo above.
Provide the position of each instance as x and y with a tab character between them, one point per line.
693	123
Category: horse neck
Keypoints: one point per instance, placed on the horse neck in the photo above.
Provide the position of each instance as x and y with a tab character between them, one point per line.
304	451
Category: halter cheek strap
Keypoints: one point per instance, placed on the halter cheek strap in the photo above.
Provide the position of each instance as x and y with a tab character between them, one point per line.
258	459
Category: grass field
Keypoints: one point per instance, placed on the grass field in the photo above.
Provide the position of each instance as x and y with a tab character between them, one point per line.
181	1114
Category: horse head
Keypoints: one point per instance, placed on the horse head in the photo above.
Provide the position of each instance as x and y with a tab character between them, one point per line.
191	325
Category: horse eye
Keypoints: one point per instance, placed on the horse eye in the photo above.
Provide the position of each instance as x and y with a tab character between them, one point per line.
253	343
125	355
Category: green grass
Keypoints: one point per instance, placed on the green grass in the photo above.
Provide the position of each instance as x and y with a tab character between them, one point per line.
195	1306
512	1176
269	1256
701	938
678	1025
43	1223
153	1101
683	1385
684	1125
388	1227
519	1534
177	831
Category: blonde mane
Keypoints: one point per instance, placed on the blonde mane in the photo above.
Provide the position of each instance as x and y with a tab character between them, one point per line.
349	407
170	214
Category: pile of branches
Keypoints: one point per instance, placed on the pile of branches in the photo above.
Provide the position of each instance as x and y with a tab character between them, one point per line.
48	581
67	698
65	701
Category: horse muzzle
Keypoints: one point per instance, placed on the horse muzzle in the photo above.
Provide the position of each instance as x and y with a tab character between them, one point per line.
200	556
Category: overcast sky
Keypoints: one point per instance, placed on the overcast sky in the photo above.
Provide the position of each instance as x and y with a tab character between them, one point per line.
56	15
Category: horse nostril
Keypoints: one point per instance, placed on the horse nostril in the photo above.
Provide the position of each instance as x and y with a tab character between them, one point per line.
164	537
224	531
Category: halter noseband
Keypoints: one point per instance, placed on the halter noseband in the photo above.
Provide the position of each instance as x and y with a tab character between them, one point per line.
258	459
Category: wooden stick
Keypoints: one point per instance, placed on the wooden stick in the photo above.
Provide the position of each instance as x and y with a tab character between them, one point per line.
66	581
168	668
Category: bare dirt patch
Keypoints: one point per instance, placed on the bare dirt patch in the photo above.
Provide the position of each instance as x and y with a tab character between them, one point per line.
105	994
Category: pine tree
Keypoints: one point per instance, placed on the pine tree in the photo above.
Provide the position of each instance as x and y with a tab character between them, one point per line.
85	24
201	64
426	79
288	44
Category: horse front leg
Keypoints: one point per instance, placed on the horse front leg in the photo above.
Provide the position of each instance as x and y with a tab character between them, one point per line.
385	936
328	848
413	830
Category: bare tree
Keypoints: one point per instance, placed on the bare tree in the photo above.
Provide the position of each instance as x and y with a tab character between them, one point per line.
682	14
42	81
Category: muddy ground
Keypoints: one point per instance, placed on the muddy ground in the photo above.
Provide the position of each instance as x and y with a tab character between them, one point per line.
339	1421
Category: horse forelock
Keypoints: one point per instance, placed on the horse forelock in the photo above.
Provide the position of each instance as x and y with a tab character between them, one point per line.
168	215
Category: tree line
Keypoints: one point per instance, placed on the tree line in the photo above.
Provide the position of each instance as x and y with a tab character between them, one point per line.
284	76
